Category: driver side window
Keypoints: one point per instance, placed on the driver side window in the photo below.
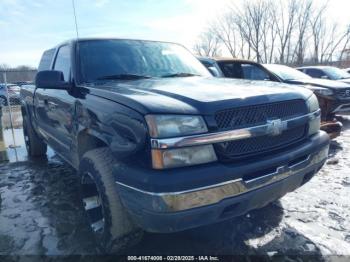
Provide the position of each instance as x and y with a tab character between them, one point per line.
62	62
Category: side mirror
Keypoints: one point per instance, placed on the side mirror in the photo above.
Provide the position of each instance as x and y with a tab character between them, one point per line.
51	79
213	71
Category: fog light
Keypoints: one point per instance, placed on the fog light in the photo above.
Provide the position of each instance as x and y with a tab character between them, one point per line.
180	157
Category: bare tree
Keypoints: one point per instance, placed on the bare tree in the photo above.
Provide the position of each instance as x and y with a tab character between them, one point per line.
253	22
4	67
318	27
346	43
208	44
286	31
304	10
225	30
285	20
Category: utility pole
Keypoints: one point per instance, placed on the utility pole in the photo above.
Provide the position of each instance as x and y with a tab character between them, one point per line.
3	152
10	111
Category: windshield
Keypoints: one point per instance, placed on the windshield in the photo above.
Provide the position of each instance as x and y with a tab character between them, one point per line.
286	73
134	59
336	73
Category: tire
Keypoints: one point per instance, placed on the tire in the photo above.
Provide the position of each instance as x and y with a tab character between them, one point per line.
36	147
110	222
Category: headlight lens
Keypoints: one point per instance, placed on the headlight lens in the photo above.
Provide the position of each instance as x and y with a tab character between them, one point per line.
180	157
322	91
162	126
312	104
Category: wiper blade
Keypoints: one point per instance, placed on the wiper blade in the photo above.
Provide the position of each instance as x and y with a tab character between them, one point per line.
180	75
123	77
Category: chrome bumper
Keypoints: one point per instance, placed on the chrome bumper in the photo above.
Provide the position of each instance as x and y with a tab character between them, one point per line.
203	196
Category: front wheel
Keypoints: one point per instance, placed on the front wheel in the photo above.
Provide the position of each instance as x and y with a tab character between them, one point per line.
109	221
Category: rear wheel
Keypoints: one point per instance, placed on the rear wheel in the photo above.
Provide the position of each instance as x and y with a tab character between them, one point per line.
108	219
34	144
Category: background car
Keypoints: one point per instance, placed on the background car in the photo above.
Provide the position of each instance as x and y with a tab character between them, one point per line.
237	68
326	72
347	70
249	70
14	94
333	96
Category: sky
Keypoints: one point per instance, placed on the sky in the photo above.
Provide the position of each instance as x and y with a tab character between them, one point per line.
28	27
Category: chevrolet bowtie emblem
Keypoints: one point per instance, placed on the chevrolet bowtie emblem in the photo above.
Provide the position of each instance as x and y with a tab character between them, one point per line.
276	127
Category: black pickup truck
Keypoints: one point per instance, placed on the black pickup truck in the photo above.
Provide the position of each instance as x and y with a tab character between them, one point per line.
162	146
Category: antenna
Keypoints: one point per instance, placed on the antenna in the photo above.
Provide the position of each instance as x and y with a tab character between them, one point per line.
75	19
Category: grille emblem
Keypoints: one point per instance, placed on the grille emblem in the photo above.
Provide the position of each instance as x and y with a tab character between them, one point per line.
275	127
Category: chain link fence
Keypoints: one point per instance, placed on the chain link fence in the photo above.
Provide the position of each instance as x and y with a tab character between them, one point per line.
11	82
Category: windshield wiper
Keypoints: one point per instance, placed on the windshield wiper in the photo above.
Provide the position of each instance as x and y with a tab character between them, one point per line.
123	77
180	75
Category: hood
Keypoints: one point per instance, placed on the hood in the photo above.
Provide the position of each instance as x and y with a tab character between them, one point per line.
347	81
331	84
194	95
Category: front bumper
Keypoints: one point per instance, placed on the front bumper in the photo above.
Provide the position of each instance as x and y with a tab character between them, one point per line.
340	105
342	108
244	189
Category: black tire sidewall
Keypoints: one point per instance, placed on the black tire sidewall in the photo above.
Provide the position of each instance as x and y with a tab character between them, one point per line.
119	230
104	239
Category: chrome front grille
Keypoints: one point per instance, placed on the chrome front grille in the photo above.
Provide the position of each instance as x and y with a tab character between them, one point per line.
259	115
247	147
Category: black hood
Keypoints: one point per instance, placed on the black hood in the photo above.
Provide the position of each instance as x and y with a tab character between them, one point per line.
194	95
331	84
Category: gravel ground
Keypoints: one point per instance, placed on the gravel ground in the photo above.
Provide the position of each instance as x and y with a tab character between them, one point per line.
41	214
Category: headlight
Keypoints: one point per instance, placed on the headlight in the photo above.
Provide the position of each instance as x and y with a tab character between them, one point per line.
162	126
180	157
322	91
312	104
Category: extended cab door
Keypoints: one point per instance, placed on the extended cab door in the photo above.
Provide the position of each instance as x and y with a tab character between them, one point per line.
55	108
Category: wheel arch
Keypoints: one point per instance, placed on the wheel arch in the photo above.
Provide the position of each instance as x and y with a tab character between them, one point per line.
88	140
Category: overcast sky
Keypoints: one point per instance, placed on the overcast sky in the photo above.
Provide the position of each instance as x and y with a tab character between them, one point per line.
27	27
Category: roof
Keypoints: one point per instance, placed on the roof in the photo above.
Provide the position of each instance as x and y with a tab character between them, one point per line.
82	39
319	67
224	59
